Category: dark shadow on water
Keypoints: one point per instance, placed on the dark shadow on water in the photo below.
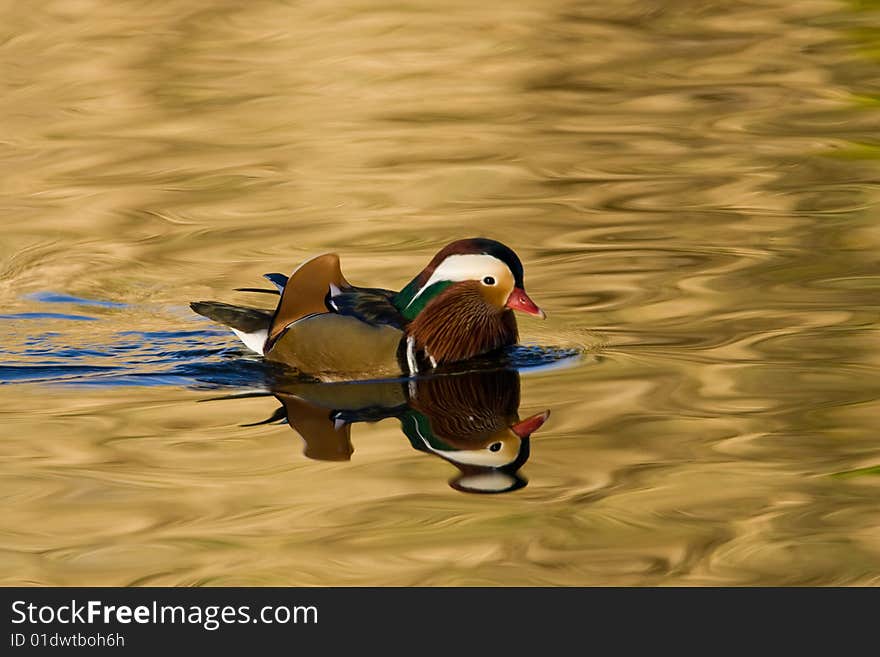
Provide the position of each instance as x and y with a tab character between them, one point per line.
469	419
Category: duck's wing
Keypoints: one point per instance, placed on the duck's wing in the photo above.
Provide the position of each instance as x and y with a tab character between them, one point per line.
318	286
371	305
306	292
323	324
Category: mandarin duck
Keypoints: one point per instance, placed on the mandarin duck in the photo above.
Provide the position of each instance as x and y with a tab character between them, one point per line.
458	307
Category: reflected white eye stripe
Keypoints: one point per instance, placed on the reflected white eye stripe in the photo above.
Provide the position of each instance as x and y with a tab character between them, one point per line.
476	457
471	266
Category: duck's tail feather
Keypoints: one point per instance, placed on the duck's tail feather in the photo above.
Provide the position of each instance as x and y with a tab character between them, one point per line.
237	317
261	290
251	325
278	280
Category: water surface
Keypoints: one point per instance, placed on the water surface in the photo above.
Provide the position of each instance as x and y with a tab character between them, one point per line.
692	189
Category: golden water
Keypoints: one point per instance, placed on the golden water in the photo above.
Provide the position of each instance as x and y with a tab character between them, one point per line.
691	186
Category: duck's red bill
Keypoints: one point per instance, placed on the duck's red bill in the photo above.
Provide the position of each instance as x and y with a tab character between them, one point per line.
525	428
519	300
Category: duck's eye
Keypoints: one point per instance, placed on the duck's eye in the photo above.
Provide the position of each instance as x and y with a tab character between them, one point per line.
494	447
489	280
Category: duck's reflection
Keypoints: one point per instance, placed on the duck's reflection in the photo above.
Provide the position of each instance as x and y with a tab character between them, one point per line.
470	420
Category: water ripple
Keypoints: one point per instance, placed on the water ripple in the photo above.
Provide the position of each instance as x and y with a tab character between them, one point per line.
691	186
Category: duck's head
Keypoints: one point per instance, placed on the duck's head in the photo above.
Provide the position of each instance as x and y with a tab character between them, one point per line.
460	305
472	421
478	263
488	461
503	478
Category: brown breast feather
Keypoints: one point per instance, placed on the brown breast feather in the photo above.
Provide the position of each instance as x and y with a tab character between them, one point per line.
459	324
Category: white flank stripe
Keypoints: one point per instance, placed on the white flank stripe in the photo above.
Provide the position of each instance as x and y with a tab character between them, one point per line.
411	355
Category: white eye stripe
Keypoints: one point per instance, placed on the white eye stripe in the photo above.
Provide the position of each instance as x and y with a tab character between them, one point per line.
472	266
